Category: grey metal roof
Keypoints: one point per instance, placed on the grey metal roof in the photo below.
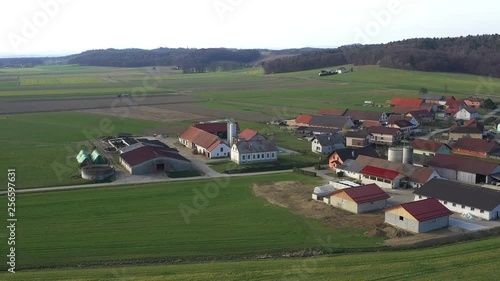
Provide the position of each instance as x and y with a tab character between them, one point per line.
329	121
461	193
256	146
330	140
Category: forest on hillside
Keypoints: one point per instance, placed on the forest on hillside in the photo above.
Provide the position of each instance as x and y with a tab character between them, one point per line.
471	54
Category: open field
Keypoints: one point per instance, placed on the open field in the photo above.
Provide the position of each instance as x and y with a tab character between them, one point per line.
83	227
474	260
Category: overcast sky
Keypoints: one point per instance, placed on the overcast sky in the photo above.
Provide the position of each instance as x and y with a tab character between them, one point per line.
68	26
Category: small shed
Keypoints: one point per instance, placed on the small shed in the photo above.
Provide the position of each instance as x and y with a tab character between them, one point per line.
322	191
97	158
83	158
419	216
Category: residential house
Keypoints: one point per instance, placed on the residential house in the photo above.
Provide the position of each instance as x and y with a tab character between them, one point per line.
145	159
395	117
462	198
364	115
402	109
204	143
385	135
360	199
339	156
402	125
326	144
358	138
331	121
247	152
439	100
476	147
467	113
421	116
250	135
409	175
316	130
471	129
474	102
429	147
301	120
418	216
468	170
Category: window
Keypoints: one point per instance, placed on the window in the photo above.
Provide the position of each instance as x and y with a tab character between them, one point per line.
221	149
401	218
420	197
258	156
454	205
253	156
463	206
243	157
481	211
272	154
472	209
371	202
267	155
445	203
262	155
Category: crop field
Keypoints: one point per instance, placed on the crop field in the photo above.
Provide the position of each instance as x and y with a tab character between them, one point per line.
38	145
474	260
189	220
38	81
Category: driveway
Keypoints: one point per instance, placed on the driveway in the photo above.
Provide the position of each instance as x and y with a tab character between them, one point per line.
467	225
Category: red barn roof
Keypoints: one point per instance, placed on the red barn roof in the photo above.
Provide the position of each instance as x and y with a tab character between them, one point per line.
379	172
476	145
364	193
407	102
199	137
426	209
332	111
146	153
214	128
248	134
427	145
303	119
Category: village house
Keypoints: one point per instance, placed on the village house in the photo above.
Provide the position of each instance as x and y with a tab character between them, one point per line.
471	129
474	102
385	135
405	126
386	173
395	117
364	115
250	135
323	121
204	143
429	147
476	147
301	120
339	156
360	199
418	216
247	152
439	100
467	113
326	144
421	116
357	138
462	198
468	170
402	109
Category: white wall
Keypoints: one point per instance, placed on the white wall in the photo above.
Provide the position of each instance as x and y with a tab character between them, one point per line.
462	209
217	153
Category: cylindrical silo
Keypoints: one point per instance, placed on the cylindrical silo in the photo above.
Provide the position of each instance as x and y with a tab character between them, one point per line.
408	155
231	132
395	154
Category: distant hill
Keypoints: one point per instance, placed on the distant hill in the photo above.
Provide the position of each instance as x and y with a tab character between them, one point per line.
472	54
189	60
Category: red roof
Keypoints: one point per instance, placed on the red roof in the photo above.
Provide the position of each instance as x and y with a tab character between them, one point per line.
427	145
468	165
199	137
403	109
449	97
383	130
214	128
332	111
214	145
426	209
407	102
379	172
248	134
146	153
476	145
454	104
303	119
364	193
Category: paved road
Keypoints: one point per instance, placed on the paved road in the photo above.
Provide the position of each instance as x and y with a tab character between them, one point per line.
466	224
491	113
429	135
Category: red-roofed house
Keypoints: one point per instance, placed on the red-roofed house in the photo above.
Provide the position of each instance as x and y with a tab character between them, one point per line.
202	142
302	120
474	102
360	199
419	216
384	135
251	135
429	147
406	102
475	147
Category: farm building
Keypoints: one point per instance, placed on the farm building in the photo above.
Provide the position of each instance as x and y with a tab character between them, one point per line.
97	158
439	100
219	129
316	131
468	170
476	147
204	143
250	135
359	199
403	125
384	172
411	102
149	159
332	111
467	113
384	135
320	192
421	116
322	121
365	115
474	102
419	216
474	130
462	198
325	144
429	147
402	109
247	152
83	158
358	138
396	117
338	157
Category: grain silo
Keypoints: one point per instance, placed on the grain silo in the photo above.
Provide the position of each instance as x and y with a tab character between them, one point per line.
408	155
395	154
231	131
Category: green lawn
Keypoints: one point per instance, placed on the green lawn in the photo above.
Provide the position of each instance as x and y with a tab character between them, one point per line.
475	260
166	221
42	146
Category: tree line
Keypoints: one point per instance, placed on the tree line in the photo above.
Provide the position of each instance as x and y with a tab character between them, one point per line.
471	54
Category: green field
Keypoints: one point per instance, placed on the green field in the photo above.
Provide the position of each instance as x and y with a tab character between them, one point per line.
97	226
475	260
37	145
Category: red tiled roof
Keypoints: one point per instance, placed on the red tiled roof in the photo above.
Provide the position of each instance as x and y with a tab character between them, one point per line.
453	103
476	145
370	123
303	119
146	153
427	145
214	128
214	145
426	209
402	109
248	134
199	137
332	111
407	102
364	193
383	130
449	97
379	172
